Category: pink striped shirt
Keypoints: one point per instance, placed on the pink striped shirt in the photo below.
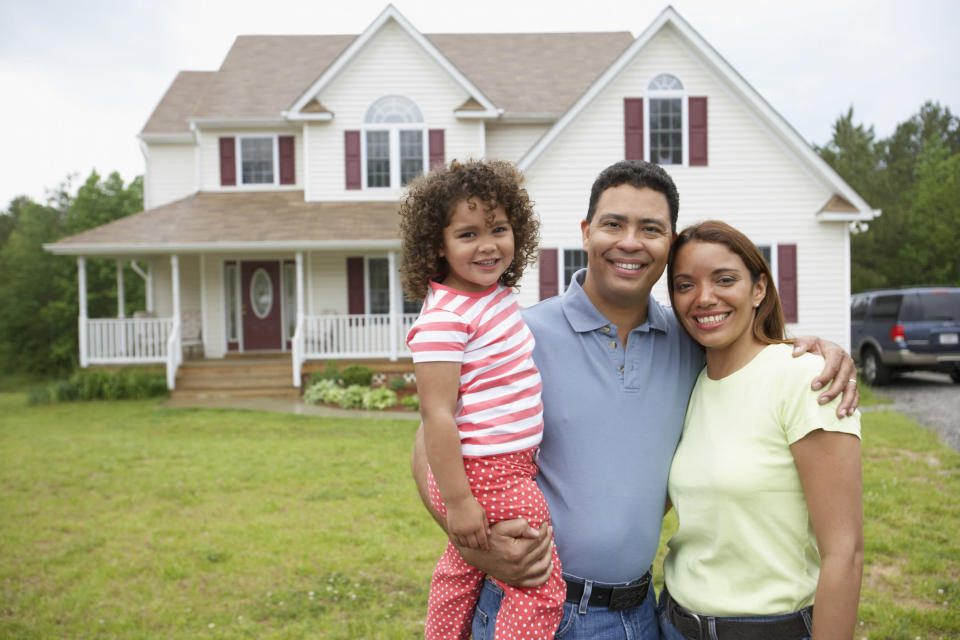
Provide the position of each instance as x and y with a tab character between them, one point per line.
498	402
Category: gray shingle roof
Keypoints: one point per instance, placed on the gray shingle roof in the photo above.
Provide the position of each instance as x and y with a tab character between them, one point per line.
263	75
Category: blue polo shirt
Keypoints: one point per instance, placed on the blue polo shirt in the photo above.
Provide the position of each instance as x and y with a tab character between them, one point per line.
612	420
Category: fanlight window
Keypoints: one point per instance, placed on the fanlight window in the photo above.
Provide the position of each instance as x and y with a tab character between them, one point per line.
390	109
395	142
666	119
665	82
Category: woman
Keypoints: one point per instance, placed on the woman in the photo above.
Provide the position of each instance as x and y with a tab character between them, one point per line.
766	482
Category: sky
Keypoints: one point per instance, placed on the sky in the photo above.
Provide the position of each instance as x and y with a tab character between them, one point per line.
78	80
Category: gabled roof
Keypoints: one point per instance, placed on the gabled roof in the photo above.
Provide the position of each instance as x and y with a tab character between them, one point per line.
539	74
259	220
725	73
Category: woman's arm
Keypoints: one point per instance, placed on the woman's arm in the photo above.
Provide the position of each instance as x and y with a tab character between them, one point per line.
438	384
829	467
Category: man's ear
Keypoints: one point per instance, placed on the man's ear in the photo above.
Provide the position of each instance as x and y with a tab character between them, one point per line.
584	233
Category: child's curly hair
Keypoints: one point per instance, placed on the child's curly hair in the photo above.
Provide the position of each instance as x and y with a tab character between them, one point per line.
428	205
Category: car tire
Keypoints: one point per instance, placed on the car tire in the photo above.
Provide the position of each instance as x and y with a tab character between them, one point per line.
874	371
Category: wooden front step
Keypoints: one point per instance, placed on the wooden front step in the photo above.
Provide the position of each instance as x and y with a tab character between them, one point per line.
238	377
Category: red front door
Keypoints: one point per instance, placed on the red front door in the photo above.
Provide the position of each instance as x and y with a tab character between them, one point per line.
262	323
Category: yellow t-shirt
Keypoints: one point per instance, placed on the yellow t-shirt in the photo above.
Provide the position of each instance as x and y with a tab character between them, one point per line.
745	545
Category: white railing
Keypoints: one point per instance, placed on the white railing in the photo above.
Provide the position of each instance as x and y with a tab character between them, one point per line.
174	354
354	336
127	340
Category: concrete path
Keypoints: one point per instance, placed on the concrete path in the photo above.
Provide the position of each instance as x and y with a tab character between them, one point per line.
282	405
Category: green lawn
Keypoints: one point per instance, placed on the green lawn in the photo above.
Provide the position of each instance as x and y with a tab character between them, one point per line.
122	520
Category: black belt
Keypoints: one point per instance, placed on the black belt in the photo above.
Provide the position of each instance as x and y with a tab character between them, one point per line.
613	598
692	626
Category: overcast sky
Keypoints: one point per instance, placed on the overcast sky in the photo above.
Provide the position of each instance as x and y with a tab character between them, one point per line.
78	79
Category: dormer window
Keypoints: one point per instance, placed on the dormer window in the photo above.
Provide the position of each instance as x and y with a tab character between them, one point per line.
667	119
395	137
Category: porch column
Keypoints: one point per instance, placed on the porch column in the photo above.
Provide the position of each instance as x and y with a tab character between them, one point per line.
82	317
149	289
175	279
121	307
394	311
299	286
298	338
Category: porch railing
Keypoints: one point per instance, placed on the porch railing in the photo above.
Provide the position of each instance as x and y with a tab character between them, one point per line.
354	336
127	340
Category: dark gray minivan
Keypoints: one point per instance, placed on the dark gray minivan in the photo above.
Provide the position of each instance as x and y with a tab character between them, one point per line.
909	329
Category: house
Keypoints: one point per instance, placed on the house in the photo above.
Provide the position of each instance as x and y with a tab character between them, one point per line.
272	183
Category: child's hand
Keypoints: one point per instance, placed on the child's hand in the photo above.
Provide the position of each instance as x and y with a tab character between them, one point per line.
467	524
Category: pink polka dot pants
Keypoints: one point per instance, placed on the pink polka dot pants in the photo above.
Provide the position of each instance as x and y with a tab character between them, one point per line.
504	485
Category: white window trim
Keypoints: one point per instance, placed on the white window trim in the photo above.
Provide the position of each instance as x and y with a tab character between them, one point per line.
236	306
774	267
238	155
285	311
398	294
394	130
655	94
561	280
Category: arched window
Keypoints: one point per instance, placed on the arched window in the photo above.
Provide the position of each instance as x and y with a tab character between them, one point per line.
395	138
667	120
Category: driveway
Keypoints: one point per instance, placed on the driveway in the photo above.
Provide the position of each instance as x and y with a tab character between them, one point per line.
932	399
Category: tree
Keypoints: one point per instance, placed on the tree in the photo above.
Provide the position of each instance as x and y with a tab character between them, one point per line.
38	317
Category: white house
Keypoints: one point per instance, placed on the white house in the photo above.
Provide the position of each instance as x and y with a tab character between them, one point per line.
272	183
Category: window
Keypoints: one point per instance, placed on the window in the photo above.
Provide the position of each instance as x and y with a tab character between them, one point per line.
289	287
573	261
257	159
394	142
667	120
378	289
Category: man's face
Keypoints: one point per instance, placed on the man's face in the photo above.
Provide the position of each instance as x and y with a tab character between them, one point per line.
627	243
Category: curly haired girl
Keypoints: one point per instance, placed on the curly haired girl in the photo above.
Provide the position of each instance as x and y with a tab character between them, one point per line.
468	232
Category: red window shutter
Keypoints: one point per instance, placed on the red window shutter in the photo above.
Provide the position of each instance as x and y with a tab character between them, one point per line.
287	164
228	162
355	286
698	132
787	280
351	144
437	153
633	128
549	286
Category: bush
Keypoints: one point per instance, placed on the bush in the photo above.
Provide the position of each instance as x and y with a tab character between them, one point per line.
104	385
322	391
64	391
357	375
331	371
411	402
398	383
39	395
379	399
352	397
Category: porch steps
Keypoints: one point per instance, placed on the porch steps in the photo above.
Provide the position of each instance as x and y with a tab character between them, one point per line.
236	377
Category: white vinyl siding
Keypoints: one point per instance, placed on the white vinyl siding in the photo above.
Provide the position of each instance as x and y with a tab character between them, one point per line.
754	182
170	173
391	63
510	141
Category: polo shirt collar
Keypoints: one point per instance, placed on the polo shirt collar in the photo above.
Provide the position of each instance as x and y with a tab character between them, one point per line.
583	316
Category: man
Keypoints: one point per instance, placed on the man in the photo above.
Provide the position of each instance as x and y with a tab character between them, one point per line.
617	373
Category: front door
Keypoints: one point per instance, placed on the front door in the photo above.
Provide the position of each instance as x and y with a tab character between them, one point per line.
262	323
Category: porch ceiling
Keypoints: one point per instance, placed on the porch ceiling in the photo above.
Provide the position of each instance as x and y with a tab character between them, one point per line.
232	221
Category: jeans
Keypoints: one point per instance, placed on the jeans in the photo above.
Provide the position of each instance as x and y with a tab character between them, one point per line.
669	632
578	622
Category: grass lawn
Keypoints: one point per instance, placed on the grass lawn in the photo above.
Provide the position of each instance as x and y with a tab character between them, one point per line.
122	520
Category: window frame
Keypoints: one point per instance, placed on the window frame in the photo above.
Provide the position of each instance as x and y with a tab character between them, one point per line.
401	302
562	266
393	130
772	262
667	94
238	159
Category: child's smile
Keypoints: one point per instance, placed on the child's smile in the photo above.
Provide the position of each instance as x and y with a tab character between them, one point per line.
477	249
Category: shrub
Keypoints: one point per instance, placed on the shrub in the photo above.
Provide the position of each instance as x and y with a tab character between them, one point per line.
39	395
321	391
64	391
104	385
398	383
352	396
331	371
411	402
357	375
379	399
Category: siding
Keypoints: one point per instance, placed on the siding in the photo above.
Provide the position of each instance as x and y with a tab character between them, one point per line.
511	141
170	173
391	63
754	182
328	283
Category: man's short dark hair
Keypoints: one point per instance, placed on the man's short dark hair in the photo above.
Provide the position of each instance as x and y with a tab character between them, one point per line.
639	174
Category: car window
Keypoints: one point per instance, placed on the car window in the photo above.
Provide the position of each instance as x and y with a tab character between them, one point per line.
943	307
858	308
886	308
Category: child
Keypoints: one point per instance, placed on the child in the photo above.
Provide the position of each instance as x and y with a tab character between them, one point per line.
468	232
